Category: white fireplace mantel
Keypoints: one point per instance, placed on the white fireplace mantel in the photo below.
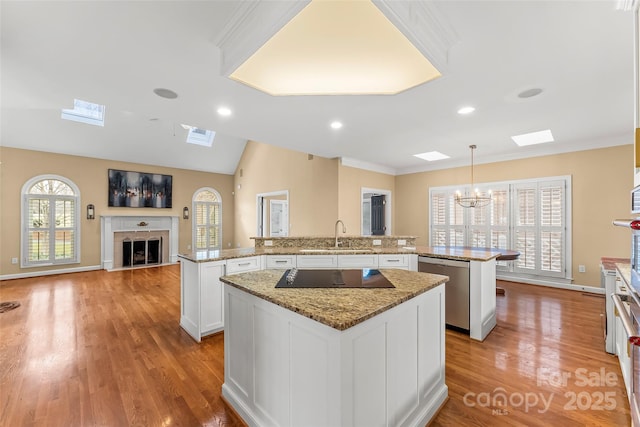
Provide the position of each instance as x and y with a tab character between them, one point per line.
110	224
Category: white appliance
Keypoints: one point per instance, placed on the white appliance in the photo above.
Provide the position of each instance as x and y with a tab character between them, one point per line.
631	317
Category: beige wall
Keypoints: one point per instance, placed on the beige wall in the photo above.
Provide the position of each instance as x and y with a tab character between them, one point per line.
602	180
351	182
321	191
90	175
312	185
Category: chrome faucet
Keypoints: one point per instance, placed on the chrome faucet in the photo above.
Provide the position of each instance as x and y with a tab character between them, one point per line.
344	230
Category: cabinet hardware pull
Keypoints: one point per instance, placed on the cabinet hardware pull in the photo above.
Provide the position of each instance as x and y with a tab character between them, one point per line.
393	260
280	261
243	264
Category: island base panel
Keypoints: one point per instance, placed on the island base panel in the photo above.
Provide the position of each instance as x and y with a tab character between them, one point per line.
285	369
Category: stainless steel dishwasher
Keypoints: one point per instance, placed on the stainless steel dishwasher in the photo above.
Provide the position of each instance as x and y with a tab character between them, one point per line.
456	289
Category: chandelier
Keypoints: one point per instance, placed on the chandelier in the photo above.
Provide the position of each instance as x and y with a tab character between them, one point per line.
475	200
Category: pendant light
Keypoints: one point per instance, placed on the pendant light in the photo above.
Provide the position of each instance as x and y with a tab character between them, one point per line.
475	199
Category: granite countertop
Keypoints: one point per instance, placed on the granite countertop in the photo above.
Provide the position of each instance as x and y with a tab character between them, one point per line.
448	252
341	236
466	253
337	308
609	263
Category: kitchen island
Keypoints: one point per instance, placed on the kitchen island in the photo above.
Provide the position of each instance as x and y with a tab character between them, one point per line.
334	357
201	293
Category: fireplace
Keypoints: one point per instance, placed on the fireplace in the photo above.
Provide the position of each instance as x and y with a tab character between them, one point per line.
141	252
132	241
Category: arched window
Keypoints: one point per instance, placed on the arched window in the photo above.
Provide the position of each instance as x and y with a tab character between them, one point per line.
50	221
207	224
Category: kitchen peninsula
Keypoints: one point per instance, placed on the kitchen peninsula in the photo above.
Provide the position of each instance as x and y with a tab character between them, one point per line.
338	357
202	308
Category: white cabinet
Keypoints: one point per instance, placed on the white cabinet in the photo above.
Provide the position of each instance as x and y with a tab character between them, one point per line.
401	261
201	297
623	349
201	301
280	261
242	265
358	261
284	369
317	261
394	261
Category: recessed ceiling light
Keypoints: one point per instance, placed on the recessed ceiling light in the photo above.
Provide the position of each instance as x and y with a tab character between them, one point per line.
224	111
466	110
165	93
431	156
532	138
336	125
530	93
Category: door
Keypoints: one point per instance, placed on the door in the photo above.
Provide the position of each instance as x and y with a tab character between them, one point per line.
377	215
278	218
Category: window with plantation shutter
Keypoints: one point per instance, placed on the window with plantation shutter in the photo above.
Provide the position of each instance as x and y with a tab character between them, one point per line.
530	216
207	224
552	227
50	222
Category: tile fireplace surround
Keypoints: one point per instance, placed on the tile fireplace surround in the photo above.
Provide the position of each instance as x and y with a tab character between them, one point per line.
112	229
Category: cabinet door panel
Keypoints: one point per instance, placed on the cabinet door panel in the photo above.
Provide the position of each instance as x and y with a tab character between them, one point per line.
317	261
212	303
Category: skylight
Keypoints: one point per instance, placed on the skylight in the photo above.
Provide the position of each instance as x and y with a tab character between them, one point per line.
432	156
199	136
85	112
533	138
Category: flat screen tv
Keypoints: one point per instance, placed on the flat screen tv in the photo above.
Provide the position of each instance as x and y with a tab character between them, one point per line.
139	190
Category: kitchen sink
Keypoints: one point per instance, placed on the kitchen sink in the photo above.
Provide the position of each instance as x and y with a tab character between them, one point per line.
333	250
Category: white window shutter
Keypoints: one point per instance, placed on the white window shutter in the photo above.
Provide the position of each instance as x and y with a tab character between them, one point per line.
529	216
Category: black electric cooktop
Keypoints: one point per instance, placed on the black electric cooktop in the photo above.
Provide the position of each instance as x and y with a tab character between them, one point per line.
356	278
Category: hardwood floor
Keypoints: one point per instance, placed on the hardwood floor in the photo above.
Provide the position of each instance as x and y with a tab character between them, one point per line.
546	343
105	349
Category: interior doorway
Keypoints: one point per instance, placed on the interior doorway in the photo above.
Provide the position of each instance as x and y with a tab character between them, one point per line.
375	212
278	218
272	211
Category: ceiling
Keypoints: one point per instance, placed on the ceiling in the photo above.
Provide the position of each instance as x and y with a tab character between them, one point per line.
115	53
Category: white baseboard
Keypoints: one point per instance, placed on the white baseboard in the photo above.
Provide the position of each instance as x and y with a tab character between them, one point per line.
569	286
137	267
49	272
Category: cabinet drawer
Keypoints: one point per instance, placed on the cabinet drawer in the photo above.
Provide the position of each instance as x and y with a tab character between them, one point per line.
393	261
240	265
358	261
317	261
281	261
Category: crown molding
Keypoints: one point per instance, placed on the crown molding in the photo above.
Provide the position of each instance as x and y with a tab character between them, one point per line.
252	24
361	164
424	26
627	5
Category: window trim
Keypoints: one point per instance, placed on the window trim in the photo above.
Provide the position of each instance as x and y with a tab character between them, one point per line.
24	228
194	224
508	271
